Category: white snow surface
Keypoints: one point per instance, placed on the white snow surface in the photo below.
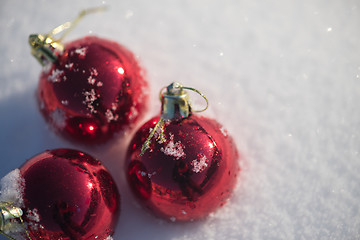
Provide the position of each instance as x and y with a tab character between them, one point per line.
282	76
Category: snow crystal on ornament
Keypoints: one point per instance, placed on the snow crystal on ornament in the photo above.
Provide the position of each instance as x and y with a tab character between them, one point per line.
55	75
94	72
58	117
199	165
12	188
90	97
133	113
110	116
91	80
174	149
114	106
69	66
34	217
109	238
81	51
223	131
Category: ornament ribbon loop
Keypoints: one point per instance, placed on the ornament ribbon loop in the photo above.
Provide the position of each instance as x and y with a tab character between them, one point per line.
70	25
43	47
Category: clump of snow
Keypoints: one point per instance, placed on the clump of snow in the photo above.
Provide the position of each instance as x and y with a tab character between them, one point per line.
174	149
110	116
55	76
33	215
91	80
133	113
114	106
109	238
81	51
69	65
64	102
90	97
58	118
94	72
199	165
224	132
12	188
34	219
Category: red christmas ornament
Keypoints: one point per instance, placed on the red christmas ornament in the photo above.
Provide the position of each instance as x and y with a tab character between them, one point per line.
90	88
187	167
63	194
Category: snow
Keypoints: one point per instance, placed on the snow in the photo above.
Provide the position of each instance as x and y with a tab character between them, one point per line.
199	165
281	76
81	51
173	149
34	217
55	75
58	117
12	188
90	97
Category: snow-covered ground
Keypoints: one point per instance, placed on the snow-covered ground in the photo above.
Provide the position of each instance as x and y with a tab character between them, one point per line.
282	76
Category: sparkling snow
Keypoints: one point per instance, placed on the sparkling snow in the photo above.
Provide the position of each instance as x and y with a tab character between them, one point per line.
56	75
173	149
90	97
199	165
81	51
12	188
282	76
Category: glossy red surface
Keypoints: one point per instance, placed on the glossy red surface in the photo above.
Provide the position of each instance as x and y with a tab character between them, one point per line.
72	194
187	177
94	90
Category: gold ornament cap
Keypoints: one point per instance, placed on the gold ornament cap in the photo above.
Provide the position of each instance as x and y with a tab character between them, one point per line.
175	103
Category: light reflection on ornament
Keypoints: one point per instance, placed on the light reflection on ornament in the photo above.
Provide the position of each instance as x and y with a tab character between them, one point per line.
91	128
90	185
121	70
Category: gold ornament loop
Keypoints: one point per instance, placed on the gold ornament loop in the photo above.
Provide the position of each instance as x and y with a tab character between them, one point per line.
43	46
70	25
177	86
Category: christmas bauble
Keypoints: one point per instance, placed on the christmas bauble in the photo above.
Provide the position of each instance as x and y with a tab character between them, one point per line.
66	194
190	164
92	90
